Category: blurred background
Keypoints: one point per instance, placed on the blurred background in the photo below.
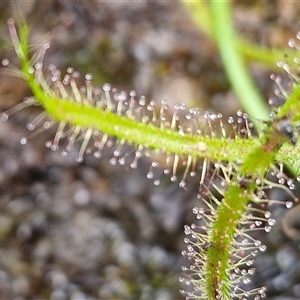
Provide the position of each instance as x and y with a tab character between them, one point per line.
97	231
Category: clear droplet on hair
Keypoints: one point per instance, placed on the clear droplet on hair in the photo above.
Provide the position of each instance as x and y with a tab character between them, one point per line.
167	171
271	222
38	66
106	87
113	161
48	144
65	153
262	248
5	62
79	158
267	214
97	154
292	43
257	243
88	76
132	93
122	161
182	184
54	147
23	141
133	165
142	101
157	182
150	175
267	228
246	280
249	262
258	223
230	120
30	126
4	117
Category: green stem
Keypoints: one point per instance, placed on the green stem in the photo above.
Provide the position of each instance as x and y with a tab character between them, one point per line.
140	133
241	82
269	57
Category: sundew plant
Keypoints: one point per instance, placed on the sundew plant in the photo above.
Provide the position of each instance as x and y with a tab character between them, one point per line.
237	160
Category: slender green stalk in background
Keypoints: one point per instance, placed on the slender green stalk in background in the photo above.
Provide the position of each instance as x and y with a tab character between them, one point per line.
234	65
202	15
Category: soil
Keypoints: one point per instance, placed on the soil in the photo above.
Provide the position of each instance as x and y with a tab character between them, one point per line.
92	230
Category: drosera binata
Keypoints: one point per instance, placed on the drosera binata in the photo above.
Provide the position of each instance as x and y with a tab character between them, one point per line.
232	162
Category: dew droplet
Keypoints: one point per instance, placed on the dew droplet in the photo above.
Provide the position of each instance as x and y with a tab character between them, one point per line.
54	147
132	93
155	164
195	210
268	228
292	43
289	204
48	144
30	126
268	214
188	116
47	125
230	120
133	165
246	280
46	46
292	186
271	222
23	141
113	161
5	62
249	262
70	70
97	154
4	117
142	101
167	171
38	66
182	184
244	241
199	216
64	153
117	153
79	158
150	175
262	248
121	161
258	181
106	87
257	243
88	76
76	74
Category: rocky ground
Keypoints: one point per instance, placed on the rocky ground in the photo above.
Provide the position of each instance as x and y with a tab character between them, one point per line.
97	231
